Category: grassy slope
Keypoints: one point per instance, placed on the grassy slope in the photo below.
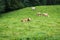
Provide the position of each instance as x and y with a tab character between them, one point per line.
40	27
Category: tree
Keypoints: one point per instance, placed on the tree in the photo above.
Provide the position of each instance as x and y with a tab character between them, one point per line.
2	5
7	6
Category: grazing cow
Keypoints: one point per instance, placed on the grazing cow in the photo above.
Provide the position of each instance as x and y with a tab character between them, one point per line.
33	8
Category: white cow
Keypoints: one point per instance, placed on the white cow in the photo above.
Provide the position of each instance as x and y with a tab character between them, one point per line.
33	8
45	14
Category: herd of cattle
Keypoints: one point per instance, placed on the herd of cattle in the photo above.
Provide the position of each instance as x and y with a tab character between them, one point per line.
38	14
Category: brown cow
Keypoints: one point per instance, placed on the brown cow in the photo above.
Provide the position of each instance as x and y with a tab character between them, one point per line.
26	19
38	14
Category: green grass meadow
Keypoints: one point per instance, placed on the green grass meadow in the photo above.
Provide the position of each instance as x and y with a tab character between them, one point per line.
39	28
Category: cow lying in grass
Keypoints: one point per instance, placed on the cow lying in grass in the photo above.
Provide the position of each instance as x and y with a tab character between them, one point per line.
45	14
26	20
38	14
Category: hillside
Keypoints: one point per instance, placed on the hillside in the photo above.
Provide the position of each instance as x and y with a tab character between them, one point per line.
39	28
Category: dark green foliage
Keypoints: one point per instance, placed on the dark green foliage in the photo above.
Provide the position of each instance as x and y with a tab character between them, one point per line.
8	5
1	5
53	2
